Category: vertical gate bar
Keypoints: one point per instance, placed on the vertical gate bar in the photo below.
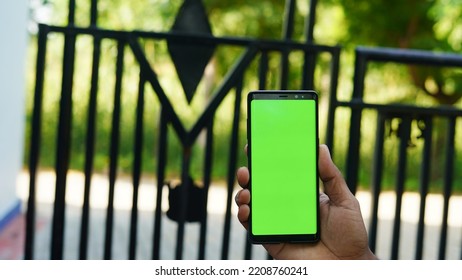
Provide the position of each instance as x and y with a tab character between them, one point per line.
232	170
90	148
71	15
424	183
34	154
309	26
94	13
308	70
352	163
63	146
137	165
447	185
377	172
289	20
335	68
404	134
90	140
287	33
114	150
183	199
310	57
263	70
161	163
284	70
207	179
247	249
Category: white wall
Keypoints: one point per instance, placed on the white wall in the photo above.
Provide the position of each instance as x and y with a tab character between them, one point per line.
13	39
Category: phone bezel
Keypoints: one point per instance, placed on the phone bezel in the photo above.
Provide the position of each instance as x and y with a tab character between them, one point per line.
282	95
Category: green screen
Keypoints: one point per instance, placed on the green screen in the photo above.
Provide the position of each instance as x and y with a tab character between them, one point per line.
283	167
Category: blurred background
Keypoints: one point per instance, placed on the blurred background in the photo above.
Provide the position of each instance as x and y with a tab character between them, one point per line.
82	135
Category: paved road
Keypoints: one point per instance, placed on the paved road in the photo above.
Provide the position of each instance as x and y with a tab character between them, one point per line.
216	207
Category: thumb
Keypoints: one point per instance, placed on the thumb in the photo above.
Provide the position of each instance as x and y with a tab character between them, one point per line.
335	186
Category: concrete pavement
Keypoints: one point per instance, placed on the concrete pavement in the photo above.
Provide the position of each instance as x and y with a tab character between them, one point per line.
216	208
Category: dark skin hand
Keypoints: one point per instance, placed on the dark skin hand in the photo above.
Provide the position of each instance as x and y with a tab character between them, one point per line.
343	234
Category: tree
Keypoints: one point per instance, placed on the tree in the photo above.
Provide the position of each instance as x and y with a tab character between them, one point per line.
413	24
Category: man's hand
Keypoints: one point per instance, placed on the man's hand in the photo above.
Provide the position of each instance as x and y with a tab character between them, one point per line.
343	234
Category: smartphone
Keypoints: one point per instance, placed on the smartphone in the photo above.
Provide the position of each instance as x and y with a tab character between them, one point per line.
282	135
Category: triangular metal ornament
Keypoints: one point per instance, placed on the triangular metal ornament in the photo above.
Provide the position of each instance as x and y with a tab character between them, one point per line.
191	59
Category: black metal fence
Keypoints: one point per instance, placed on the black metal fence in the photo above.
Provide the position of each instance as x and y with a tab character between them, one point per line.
405	115
252	51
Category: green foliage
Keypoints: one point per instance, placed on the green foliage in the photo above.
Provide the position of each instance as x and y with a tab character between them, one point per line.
388	23
427	25
432	25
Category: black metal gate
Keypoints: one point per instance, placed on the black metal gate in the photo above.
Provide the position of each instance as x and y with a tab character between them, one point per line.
191	45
